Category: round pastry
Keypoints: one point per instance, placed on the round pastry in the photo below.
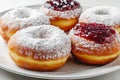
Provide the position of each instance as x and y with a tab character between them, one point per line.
64	13
94	43
102	14
20	18
43	48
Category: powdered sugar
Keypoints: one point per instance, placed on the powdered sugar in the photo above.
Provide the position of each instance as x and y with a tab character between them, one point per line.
102	14
90	46
50	42
63	14
23	17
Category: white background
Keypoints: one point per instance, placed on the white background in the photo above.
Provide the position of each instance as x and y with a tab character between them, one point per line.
8	4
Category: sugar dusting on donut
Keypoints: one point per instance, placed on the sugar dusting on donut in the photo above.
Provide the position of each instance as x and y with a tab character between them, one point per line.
49	41
66	10
23	17
102	14
66	14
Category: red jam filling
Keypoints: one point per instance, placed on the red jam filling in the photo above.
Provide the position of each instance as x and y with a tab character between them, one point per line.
62	5
98	33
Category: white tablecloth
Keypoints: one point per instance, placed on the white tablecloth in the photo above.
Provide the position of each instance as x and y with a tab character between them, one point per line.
8	4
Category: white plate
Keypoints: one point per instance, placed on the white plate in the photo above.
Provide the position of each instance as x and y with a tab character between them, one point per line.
71	70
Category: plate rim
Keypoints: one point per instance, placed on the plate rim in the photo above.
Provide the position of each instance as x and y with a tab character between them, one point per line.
108	70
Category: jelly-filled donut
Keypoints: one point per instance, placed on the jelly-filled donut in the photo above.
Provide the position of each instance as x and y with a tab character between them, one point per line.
102	14
20	18
43	48
64	13
94	43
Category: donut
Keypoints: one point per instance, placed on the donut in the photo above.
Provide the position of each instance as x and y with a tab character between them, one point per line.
20	18
63	13
94	43
41	48
102	14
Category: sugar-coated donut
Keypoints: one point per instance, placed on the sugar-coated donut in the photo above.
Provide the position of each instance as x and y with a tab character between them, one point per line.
20	18
43	48
94	43
102	14
64	13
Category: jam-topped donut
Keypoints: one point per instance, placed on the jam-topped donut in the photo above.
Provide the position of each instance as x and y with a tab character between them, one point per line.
94	43
102	14
63	13
20	18
43	48
94	32
62	5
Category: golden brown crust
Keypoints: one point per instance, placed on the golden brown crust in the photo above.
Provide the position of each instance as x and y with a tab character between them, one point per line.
94	59
32	64
64	24
6	32
103	57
